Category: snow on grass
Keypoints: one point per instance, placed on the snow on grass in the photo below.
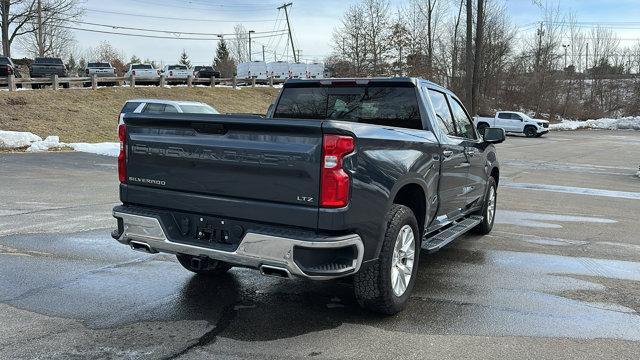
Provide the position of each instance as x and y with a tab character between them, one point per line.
46	144
17	139
625	123
105	148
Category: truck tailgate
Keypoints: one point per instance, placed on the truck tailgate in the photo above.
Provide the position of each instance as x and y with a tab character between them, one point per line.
235	157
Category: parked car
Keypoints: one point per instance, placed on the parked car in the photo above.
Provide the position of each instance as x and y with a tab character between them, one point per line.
7	67
100	69
176	74
159	106
44	67
342	178
513	122
143	73
205	72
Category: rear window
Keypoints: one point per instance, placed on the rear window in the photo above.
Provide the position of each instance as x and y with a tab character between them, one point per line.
56	61
379	105
141	66
4	61
99	65
129	107
198	109
177	67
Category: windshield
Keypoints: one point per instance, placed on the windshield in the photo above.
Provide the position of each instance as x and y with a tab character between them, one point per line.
99	65
141	66
177	67
198	109
380	105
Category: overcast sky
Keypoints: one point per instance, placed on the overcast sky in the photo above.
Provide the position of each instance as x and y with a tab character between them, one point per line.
311	21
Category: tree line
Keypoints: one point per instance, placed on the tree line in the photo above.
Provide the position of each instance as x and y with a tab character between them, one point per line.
552	67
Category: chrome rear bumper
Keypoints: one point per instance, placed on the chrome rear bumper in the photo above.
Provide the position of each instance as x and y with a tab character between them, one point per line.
255	250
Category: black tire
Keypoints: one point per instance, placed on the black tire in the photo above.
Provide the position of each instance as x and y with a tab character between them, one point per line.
488	219
539	135
482	127
530	131
35	86
207	266
372	284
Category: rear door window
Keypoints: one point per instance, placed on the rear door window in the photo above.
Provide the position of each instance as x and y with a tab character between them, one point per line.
153	108
395	106
443	113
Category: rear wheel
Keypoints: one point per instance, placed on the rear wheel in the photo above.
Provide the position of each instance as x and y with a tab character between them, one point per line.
385	285
488	210
530	131
203	265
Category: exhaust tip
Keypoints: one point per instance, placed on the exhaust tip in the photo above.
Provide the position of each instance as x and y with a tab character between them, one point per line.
268	270
140	246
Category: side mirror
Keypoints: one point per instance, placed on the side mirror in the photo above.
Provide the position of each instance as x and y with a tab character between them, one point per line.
494	135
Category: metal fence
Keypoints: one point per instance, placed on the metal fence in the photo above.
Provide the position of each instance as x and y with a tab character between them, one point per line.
94	81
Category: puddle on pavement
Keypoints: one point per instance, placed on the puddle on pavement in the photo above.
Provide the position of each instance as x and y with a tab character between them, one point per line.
573	190
538	220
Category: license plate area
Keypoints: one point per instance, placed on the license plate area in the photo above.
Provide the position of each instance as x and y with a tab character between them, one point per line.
205	231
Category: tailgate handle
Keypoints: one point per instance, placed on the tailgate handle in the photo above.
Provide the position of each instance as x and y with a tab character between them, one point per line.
209	128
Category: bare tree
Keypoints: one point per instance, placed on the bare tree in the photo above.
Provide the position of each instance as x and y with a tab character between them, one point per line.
14	17
47	34
240	43
468	81
349	39
106	52
377	34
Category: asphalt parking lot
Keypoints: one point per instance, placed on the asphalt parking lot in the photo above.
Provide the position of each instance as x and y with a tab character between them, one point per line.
559	276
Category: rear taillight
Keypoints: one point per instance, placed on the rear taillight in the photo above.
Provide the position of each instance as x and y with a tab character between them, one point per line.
133	72
334	181
86	71
122	156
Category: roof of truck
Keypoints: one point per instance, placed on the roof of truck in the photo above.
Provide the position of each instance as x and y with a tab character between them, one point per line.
162	101
398	79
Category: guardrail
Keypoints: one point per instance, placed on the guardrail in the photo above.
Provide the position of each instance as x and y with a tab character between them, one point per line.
94	81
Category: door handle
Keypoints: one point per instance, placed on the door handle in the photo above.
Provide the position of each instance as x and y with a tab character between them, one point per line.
447	153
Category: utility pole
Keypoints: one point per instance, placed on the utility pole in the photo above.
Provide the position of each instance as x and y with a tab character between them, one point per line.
540	33
586	60
263	53
286	14
565	55
298	51
40	40
250	32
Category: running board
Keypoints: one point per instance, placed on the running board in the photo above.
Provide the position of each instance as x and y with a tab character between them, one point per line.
442	238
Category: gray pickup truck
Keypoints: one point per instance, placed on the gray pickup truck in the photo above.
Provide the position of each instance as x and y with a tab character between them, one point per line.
344	177
44	67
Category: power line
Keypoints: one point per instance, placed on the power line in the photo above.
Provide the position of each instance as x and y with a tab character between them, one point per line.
171	18
164	31
149	36
219	8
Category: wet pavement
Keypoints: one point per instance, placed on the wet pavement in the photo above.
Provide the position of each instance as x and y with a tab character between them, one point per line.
558	277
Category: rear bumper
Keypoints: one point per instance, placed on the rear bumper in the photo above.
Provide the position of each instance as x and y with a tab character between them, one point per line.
318	258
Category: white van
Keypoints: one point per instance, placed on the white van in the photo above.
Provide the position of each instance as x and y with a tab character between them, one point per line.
298	71
315	70
278	69
252	69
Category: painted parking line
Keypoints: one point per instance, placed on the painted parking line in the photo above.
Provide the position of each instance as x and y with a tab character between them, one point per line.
573	190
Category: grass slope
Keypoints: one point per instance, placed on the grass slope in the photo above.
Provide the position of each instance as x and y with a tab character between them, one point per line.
84	115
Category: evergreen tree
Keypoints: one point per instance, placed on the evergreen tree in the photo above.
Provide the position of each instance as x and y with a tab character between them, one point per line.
134	60
71	64
184	59
223	61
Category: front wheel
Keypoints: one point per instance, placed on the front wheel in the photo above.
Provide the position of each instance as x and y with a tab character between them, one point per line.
203	266
385	285
488	211
530	131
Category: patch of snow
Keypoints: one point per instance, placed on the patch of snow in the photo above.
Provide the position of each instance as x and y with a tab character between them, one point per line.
17	139
105	148
625	123
46	144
